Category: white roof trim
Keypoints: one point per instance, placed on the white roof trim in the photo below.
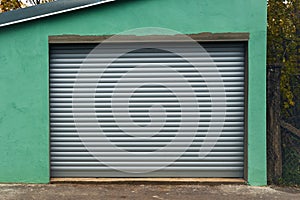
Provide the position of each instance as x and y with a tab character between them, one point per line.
55	13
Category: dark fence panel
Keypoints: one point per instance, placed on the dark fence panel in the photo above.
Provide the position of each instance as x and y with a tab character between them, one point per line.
290	157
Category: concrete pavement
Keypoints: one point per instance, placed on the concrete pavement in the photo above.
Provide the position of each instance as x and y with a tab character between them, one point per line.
144	191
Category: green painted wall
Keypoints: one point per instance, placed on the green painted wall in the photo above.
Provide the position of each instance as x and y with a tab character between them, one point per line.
24	107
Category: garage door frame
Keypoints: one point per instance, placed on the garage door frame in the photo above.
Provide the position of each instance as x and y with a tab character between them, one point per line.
201	37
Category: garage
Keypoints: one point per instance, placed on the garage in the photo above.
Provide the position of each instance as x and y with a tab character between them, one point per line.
108	90
135	117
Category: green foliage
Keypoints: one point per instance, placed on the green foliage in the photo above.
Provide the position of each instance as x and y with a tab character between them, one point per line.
284	47
7	5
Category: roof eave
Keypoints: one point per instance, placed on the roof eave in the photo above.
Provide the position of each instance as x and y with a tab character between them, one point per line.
45	10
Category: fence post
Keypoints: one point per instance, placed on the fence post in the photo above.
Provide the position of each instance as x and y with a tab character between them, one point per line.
273	130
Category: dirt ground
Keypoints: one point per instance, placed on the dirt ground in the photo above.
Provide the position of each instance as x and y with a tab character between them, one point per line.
144	191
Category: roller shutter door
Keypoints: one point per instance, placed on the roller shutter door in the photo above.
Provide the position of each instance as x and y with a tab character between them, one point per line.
73	154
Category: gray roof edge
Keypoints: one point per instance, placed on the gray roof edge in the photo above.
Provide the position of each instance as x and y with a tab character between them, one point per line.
45	10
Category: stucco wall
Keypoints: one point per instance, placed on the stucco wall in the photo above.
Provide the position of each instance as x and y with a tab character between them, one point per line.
24	102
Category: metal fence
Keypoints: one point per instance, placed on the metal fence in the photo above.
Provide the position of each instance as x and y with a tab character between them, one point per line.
290	157
283	135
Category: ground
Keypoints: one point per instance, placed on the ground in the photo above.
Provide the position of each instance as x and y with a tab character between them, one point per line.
144	191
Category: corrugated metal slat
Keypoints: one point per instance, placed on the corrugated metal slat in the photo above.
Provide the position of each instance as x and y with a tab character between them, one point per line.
69	154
